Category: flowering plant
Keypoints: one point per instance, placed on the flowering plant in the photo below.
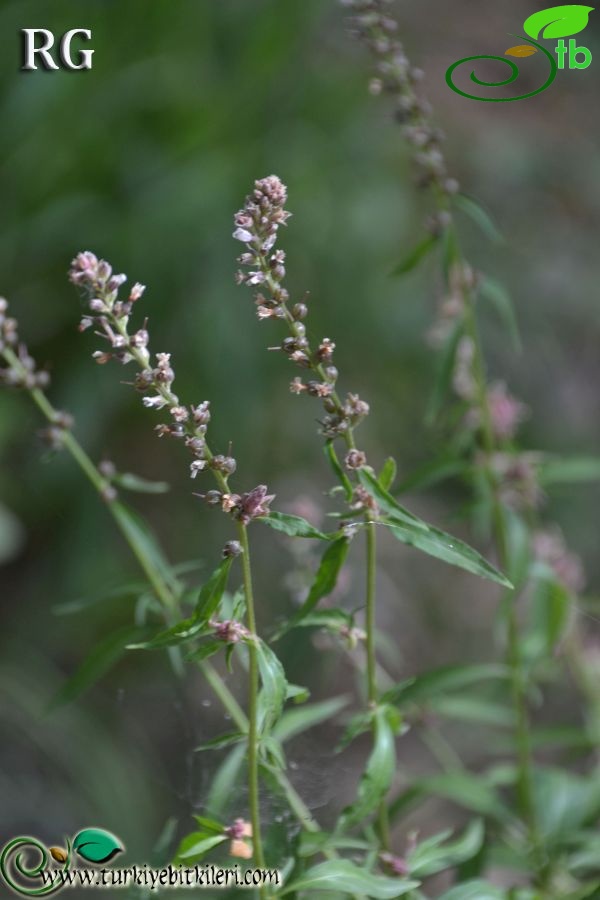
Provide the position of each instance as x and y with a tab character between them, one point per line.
363	848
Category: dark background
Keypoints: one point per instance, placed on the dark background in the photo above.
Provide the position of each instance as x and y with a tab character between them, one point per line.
144	161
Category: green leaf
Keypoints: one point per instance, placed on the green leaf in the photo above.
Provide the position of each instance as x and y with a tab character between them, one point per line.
386	502
222	785
564	802
474	709
325	581
196	625
466	790
194	846
223	740
436	682
334	462
569	471
139	535
211	593
313	842
477	214
330	618
102	658
518	548
206	650
387	476
294	526
499	297
96	845
297	693
474	890
377	778
444	373
209	825
123	593
550	617
558	21
274	687
297	721
343	876
449	549
412	260
130	482
432	856
184	631
463	788
432	473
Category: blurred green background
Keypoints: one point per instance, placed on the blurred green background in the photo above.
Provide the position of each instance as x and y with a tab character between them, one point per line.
144	160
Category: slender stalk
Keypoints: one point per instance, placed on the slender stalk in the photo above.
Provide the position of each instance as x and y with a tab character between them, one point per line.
370	613
297	330
514	659
253	781
372	690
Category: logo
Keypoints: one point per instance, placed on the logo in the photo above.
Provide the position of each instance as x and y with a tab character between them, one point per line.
549	24
31	869
46	59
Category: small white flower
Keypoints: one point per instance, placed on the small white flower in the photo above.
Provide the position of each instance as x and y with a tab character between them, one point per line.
197	466
255	278
154	402
136	291
269	242
242	234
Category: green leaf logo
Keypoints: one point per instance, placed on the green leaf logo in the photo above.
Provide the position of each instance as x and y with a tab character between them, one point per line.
96	845
558	21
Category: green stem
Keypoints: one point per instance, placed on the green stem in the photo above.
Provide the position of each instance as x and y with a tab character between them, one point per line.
372	691
370	613
253	782
514	658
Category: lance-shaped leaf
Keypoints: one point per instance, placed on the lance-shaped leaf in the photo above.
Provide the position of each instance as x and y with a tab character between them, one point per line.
345	878
574	470
324	583
293	526
96	845
212	592
414	257
388	503
195	845
335	464
388	473
439	682
558	21
296	721
140	536
130	482
100	661
471	207
377	777
274	687
474	890
433	855
447	548
196	625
